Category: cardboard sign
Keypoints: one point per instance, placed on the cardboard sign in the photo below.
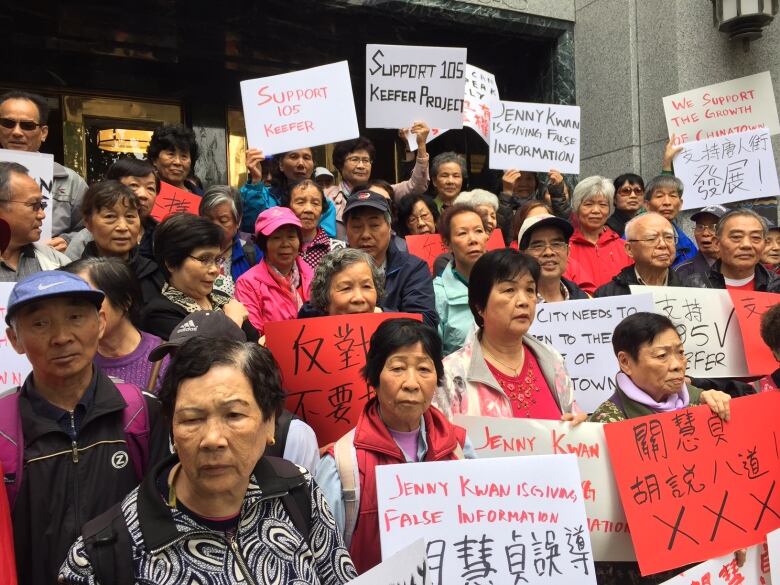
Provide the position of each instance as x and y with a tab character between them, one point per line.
428	247
695	487
40	166
731	168
581	331
489	520
171	200
707	326
535	137
749	308
304	108
13	367
773	552
510	437
406	567
407	83
320	361
739	105
724	571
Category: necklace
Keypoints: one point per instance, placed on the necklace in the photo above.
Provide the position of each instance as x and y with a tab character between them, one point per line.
506	365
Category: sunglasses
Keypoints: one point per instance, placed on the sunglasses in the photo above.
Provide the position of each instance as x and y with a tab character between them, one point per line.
26	125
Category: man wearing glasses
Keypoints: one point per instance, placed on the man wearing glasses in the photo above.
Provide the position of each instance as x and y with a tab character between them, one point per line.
706	222
22	207
664	195
23	127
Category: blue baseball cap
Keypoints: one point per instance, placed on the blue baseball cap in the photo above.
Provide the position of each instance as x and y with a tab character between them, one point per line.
50	284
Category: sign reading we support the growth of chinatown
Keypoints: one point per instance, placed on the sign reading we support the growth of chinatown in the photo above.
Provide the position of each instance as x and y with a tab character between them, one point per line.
40	166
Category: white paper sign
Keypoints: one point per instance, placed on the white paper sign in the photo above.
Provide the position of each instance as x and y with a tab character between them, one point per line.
739	105
13	367
510	437
581	331
407	83
406	567
708	328
535	137
773	546
40	166
305	108
732	168
411	139
724	571
498	521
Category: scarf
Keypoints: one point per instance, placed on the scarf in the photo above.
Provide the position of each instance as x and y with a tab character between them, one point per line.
217	299
632	391
289	284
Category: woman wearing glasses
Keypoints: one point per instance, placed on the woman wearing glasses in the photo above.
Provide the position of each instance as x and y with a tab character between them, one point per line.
417	214
629	194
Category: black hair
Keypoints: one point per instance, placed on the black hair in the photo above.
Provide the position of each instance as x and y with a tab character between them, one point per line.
286	198
178	235
196	356
343	149
117	281
7	170
278	178
770	328
494	267
632	178
637	330
106	194
172	137
38	100
405	208
445	222
392	335
129	166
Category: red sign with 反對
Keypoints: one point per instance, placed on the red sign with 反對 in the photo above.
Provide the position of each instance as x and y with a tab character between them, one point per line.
171	199
750	307
695	487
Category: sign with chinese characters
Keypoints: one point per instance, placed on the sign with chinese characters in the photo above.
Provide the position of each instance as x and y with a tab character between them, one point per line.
738	105
535	137
40	166
731	168
749	307
773	552
514	520
428	247
407	83
695	487
705	320
13	366
724	570
320	361
406	567
510	437
581	331
299	109
172	200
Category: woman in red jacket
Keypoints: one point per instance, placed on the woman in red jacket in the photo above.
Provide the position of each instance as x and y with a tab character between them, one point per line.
597	251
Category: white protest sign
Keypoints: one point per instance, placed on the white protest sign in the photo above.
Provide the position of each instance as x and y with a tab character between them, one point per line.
411	139
407	83
304	108
406	567
505	521
739	105
731	168
535	137
707	325
773	550
13	366
40	166
581	331
510	437
724	571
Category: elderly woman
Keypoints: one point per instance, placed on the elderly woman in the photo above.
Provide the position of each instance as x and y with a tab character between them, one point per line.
485	203
307	201
503	371
221	204
417	215
397	425
173	151
448	175
596	250
276	288
629	193
219	510
463	231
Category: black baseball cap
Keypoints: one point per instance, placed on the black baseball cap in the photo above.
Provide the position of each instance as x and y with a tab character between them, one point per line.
213	324
366	198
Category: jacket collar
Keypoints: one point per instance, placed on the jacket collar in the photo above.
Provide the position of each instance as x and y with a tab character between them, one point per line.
761	281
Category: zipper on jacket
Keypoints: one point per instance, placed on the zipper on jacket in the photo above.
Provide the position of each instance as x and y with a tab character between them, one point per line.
241	562
73	444
75	456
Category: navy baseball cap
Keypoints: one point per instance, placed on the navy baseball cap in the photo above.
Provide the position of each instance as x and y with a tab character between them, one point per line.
212	324
50	284
365	198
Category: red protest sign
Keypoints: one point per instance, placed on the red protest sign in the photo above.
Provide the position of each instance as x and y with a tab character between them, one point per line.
428	247
171	199
495	241
320	361
694	487
749	307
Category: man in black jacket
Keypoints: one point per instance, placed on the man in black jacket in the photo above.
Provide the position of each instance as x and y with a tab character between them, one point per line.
705	226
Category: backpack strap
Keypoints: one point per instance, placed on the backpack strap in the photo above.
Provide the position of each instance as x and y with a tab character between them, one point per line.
296	501
135	423
346	462
11	444
280	434
250	252
107	543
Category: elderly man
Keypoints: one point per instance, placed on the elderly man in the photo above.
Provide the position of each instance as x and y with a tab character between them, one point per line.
408	285
741	237
650	242
705	224
22	207
23	127
546	238
85	442
663	195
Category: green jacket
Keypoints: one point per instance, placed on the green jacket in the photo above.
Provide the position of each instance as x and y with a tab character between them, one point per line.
620	407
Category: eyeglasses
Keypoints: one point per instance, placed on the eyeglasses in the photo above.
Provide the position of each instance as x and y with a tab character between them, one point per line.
354	160
207	261
25	125
704	227
36	206
650	239
638	191
425	216
540	247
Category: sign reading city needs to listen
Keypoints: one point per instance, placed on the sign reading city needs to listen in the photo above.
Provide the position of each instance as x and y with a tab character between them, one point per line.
510	437
581	330
320	361
408	83
40	166
406	567
739	105
724	570
730	168
695	487
535	137
171	200
304	108
14	367
513	520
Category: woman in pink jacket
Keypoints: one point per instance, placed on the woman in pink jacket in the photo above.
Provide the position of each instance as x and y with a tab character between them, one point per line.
275	288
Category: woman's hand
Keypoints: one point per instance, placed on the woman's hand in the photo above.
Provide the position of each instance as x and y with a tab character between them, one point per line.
554	177
718	402
420	130
670	151
573	418
58	243
254	159
740	556
508	180
236	311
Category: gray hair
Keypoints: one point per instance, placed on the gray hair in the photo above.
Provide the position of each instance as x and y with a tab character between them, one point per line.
6	170
591	187
663	182
216	195
334	263
448	157
477	197
631	225
742	212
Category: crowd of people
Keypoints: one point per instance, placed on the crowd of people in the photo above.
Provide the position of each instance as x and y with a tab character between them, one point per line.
150	443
